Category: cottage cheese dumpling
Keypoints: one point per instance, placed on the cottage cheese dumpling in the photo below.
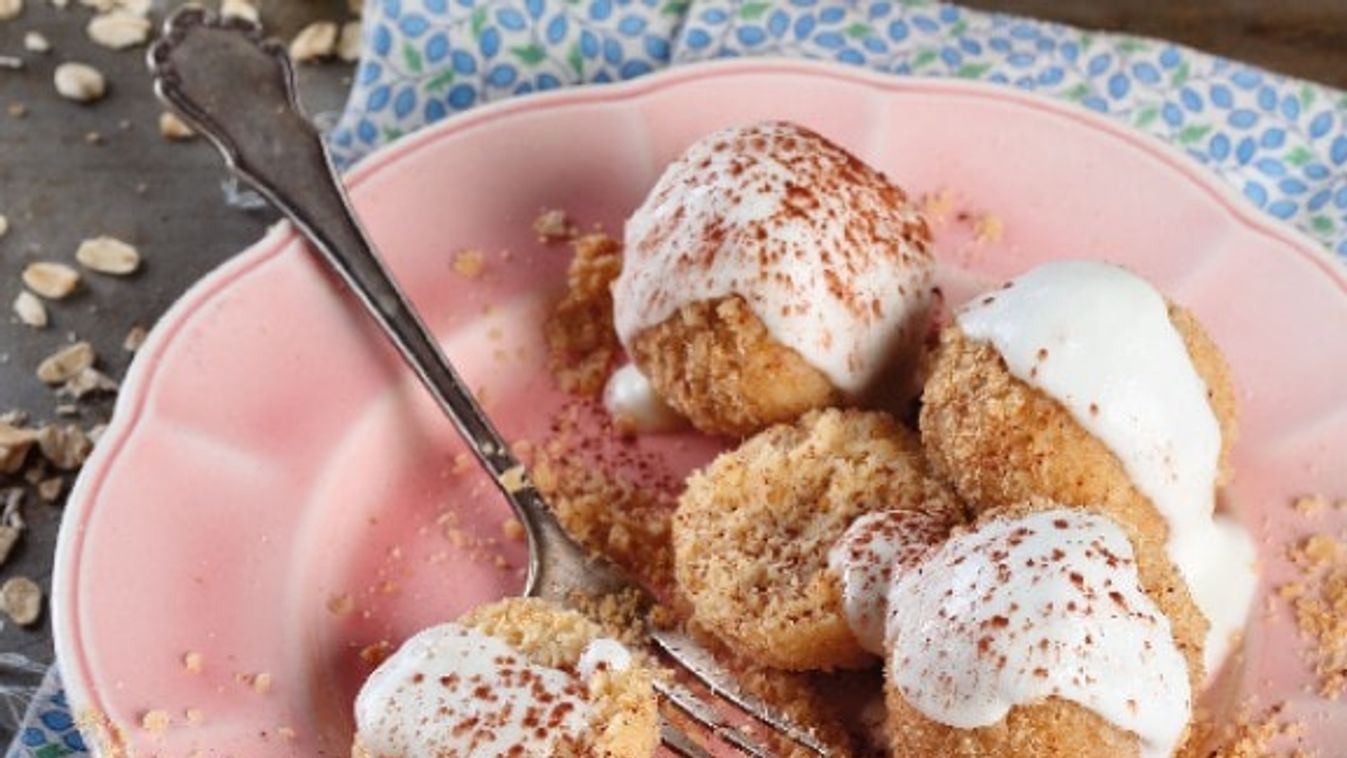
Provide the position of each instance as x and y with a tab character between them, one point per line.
517	677
1080	383
753	532
1030	634
770	272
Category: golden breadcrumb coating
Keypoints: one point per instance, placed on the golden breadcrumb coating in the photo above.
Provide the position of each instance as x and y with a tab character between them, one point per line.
1052	728
625	721
753	530
1000	441
1215	372
582	347
609	515
715	363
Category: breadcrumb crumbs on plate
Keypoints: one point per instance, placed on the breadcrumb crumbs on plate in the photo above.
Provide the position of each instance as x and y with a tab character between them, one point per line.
513	529
936	206
988	229
582	344
193	662
462	463
469	263
1250	736
156	721
376	653
1319	603
457	537
553	226
194	715
609	515
514	478
1317	551
262	683
340	605
1310	505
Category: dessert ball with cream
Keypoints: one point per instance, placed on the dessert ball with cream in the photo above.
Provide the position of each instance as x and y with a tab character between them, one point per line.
1031	634
753	531
770	272
517	677
1080	383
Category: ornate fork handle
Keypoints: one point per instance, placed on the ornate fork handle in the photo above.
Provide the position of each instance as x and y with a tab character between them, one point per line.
239	90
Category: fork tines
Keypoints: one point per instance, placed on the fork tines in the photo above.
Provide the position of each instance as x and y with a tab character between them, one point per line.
703	667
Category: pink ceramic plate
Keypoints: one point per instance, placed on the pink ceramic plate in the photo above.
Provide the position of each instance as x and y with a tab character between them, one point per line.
276	493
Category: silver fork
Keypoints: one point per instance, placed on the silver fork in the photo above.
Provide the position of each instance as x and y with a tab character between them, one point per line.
238	89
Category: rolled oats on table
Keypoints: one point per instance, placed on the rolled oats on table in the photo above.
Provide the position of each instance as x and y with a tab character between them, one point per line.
79	82
118	29
314	42
108	255
66	363
30	310
51	280
21	600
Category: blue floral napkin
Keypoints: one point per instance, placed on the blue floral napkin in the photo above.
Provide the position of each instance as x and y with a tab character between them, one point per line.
1280	141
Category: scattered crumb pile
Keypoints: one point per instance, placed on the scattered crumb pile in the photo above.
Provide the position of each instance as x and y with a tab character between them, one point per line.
1319	600
1250	736
598	484
621	516
582	345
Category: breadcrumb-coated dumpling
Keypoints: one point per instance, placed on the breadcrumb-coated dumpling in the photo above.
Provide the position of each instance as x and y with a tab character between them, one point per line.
1000	441
568	661
753	531
769	272
1029	634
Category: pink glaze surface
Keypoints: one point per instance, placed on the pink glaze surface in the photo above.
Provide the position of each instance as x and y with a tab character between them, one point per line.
270	457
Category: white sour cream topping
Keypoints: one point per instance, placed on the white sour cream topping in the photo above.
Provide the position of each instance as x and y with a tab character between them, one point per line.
1047	605
1098	339
865	559
635	405
452	690
603	655
1223	579
824	250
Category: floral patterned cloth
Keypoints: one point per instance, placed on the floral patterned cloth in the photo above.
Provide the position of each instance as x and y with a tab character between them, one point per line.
1280	141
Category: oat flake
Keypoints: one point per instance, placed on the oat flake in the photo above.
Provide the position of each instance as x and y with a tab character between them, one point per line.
240	9
79	82
174	129
118	30
21	599
35	42
51	280
108	255
30	310
348	47
315	41
66	363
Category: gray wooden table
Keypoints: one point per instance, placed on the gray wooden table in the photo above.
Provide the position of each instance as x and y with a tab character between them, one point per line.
57	188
